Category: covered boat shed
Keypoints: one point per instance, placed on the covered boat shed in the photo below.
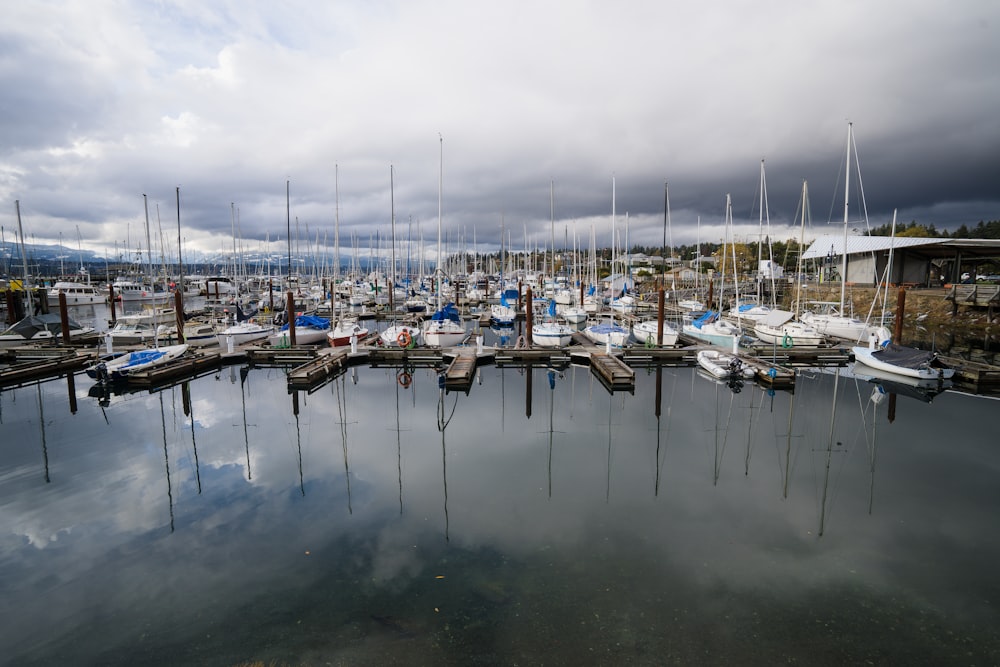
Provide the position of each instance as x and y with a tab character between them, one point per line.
927	262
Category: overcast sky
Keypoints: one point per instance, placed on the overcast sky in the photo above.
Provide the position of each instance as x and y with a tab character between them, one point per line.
103	101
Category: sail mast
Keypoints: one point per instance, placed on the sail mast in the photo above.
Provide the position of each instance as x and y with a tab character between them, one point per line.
847	187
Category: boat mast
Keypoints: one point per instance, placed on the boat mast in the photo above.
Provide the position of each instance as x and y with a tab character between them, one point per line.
180	259
24	256
847	187
149	246
440	185
392	250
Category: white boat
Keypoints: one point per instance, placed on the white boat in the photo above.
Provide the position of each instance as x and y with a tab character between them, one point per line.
551	334
692	305
828	319
605	333
400	335
130	330
309	330
122	366
244	332
77	294
502	314
341	335
43	328
201	334
129	291
645	332
723	364
573	314
445	328
623	304
780	329
709	329
903	360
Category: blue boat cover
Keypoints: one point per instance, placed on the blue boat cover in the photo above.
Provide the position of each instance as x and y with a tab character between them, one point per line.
704	319
142	357
449	312
311	321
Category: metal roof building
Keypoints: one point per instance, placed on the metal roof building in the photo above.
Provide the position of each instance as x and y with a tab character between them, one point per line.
919	261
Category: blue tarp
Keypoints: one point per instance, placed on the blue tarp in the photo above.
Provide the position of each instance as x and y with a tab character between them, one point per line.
704	319
449	312
309	321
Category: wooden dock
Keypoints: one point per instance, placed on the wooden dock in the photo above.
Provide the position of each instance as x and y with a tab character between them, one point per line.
184	367
459	373
30	368
614	373
978	375
327	364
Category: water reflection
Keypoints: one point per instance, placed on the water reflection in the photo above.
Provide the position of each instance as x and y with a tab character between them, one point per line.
638	529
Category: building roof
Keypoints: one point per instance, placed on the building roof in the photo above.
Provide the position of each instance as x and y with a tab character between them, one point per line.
833	244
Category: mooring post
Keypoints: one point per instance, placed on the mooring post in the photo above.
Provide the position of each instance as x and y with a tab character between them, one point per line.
897	334
179	314
528	308
64	318
660	301
111	302
290	311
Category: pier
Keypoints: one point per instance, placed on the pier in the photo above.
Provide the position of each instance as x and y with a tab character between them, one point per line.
312	367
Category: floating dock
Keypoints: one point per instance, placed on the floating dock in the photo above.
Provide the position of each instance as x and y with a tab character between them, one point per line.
613	373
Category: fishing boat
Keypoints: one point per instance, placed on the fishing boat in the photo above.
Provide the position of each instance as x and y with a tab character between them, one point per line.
120	367
723	365
77	294
902	360
43	328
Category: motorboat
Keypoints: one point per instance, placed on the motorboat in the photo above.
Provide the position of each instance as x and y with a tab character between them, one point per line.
723	364
77	294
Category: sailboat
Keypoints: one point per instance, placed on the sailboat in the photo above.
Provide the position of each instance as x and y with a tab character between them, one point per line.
780	327
609	333
445	328
710	328
551	333
833	319
649	331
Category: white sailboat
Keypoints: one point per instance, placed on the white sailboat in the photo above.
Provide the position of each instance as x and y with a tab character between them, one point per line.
834	319
650	332
609	333
445	328
780	327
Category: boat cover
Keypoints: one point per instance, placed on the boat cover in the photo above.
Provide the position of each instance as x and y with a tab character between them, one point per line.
309	321
449	312
143	357
903	356
32	324
704	319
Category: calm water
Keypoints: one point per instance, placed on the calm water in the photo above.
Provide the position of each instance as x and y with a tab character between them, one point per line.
538	519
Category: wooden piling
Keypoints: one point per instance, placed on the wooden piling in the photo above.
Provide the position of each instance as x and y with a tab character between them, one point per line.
64	318
528	312
111	303
179	313
290	311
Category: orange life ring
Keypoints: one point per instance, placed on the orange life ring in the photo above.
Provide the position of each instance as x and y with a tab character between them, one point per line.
404	379
404	339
